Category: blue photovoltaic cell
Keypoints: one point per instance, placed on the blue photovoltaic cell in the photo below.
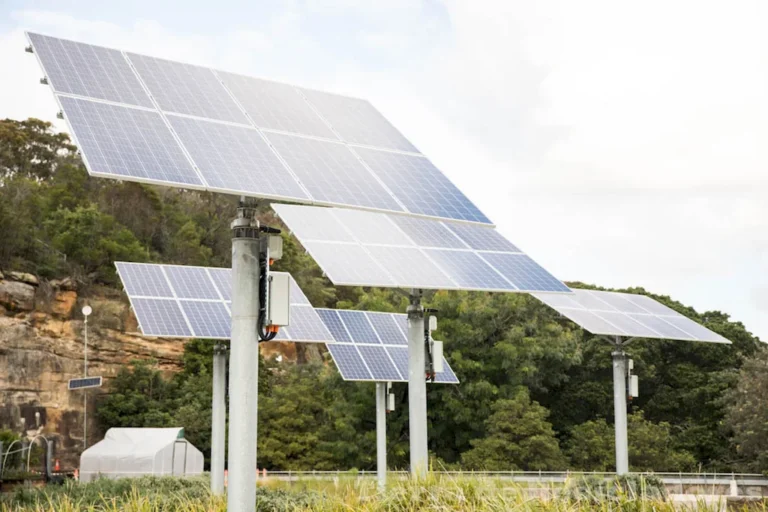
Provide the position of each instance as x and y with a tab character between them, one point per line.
222	278
400	357
331	172
482	238
349	362
446	376
408	267
427	233
334	324
86	382
187	89
306	326
235	158
143	280
127	143
358	326
275	106
190	282
160	317
387	329
87	70
208	319
420	186
357	121
379	364
468	270
524	273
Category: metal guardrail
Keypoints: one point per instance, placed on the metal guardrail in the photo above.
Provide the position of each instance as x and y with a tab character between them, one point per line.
552	477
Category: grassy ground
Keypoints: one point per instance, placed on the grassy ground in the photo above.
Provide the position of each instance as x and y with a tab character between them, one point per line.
343	494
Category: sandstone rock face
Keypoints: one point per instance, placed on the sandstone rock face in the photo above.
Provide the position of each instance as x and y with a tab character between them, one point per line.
39	353
63	304
17	296
24	278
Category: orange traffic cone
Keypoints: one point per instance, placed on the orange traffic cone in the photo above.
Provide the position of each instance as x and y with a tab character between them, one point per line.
77	475
57	466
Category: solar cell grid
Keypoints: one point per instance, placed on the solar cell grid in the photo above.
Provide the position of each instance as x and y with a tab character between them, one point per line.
160	317
222	278
187	89
371	228
235	158
447	376
358	326
87	70
128	143
420	186
664	328
628	325
617	301
86	382
144	280
331	172
350	264
349	362
190	282
379	364
332	321
409	266
387	329
482	238
468	270
357	121
427	233
523	272
275	106
208	319
306	326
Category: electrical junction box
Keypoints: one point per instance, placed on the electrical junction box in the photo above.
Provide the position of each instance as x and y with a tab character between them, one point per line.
390	402
634	386
279	302
432	323
437	356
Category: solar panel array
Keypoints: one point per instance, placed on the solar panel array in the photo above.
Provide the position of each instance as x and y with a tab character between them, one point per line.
195	302
626	315
373	346
151	120
86	382
358	248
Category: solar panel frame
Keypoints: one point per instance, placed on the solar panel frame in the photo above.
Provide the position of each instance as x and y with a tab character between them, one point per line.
616	314
166	88
373	249
85	383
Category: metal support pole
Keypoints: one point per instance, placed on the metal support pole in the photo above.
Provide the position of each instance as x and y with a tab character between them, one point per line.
417	387
381	434
244	361
218	419
85	391
620	410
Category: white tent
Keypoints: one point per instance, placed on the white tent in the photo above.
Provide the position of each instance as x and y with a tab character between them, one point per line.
130	452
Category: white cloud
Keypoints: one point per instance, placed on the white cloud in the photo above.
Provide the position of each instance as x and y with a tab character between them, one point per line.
618	143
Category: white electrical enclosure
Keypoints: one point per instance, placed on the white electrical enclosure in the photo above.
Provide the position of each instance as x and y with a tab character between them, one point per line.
437	355
432	323
634	386
390	402
279	305
275	247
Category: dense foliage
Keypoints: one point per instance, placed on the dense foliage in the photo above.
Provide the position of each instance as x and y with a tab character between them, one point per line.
536	390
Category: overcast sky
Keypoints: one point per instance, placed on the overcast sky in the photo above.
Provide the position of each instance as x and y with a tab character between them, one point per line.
619	143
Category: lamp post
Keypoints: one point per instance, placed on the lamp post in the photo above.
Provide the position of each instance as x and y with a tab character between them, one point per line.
86	312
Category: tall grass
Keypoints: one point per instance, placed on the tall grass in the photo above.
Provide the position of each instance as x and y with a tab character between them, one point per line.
435	493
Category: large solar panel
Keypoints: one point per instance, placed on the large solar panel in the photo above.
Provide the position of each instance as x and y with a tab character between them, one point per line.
627	315
194	127
376	249
372	346
194	302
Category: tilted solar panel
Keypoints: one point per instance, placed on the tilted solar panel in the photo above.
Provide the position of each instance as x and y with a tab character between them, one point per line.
356	248
372	346
152	120
627	315
194	302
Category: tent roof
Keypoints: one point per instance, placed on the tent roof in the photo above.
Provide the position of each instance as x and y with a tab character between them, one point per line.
137	441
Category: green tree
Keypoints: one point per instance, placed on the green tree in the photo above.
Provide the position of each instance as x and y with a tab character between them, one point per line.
591	446
747	413
519	437
30	149
139	396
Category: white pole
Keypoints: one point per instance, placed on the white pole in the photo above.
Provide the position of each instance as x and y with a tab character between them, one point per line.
417	388
243	362
620	410
381	434
86	313
218	419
